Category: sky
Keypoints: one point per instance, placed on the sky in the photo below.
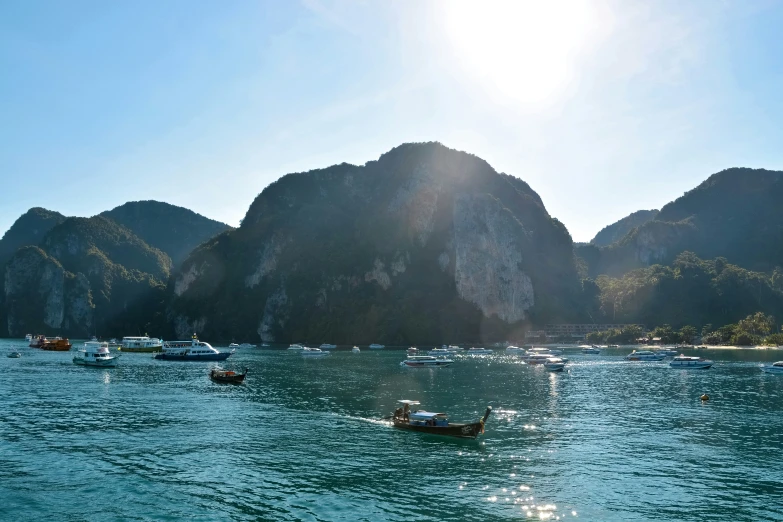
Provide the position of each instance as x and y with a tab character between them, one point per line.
604	107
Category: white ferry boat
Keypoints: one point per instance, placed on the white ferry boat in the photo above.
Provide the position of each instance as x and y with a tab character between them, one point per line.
193	350
95	354
683	361
425	361
478	351
776	367
554	364
440	352
141	344
296	347
591	350
644	355
356	349
327	346
314	352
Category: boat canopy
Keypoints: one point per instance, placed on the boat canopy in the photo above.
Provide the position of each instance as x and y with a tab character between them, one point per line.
426	415
409	402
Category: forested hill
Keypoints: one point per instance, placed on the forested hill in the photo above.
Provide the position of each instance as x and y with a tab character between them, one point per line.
734	214
29	229
172	229
425	245
619	229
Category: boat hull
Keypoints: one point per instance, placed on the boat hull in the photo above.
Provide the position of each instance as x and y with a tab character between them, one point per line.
222	378
426	364
463	431
144	349
693	366
193	357
102	364
56	347
775	370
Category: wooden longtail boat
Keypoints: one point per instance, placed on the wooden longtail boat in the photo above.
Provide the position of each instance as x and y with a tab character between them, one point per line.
227	376
436	423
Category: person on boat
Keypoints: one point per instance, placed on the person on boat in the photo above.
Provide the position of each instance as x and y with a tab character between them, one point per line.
405	412
398	413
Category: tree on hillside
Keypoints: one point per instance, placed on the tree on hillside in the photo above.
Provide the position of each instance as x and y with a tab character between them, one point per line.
757	324
706	330
687	334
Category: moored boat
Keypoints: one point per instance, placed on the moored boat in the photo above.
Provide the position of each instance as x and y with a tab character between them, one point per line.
591	350
296	347
538	358
478	351
644	355
248	345
776	367
666	352
683	361
515	350
412	351
193	350
96	354
28	338
375	346
554	364
57	344
435	423
327	346
233	345
425	361
227	376
14	355
37	341
141	344
314	352
441	352
355	349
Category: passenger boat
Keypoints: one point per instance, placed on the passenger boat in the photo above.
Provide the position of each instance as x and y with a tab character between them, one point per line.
644	355
547	351
296	347
425	361
377	346
442	352
28	338
314	352
227	376
412	351
683	361
666	352
355	349
591	350
37	341
95	354
554	364
113	343
233	345
193	350
327	346
515	350
56	345
435	423
538	358
142	344
478	351
14	355
776	367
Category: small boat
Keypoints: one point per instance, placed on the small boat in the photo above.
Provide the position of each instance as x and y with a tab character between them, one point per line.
425	361
314	352
193	350
412	351
96	354
141	344
478	351
613	346
327	346
515	350
435	423
776	367
538	358
56	345
683	361
14	355
377	346
355	349
248	345
264	345
666	352
227	376
554	364
233	345
644	355
442	352
113	343
547	351
591	350
296	347
28	338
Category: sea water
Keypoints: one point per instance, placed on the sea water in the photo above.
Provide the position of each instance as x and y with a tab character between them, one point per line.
304	439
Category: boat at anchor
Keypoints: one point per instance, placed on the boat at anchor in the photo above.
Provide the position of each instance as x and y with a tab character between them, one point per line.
96	354
435	423
193	350
227	376
425	361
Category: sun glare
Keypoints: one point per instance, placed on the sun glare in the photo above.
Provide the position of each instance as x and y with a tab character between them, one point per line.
522	51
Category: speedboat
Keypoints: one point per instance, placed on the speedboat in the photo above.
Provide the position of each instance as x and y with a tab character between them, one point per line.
644	355
96	354
143	344
356	349
193	350
227	376
591	350
412	351
435	423
314	352
666	352
327	346
538	358
377	346
478	351
296	347
554	364
14	355
549	351
425	361
233	345
776	367
515	350
683	361
440	352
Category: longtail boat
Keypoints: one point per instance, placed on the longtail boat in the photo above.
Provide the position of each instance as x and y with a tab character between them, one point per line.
227	376
435	423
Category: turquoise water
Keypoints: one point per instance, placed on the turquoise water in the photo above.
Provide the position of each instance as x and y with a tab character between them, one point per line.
303	439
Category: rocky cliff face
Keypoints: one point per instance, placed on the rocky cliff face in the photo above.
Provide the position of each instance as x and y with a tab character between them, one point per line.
29	229
426	244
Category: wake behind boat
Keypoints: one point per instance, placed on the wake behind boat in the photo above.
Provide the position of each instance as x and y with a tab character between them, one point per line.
435	423
193	350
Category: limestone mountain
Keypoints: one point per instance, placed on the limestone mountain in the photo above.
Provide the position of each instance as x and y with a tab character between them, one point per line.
29	229
620	229
734	214
426	245
169	228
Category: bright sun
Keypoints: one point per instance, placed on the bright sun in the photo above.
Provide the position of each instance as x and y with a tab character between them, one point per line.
525	51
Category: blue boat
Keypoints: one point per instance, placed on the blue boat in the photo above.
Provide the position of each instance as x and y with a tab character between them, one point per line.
193	350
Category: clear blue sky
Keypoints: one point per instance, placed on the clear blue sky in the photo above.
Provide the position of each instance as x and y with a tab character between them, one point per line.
604	107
